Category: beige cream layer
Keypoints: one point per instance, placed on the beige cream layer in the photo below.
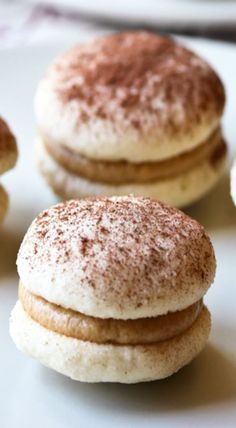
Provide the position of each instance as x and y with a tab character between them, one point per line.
121	172
125	332
178	191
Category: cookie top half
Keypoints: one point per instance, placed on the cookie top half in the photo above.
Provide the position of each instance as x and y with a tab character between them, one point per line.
119	257
133	96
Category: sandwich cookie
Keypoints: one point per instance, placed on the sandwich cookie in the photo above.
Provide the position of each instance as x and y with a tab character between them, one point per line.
131	113
8	157
111	289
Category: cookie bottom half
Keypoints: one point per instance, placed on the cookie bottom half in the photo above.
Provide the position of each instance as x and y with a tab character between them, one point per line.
91	362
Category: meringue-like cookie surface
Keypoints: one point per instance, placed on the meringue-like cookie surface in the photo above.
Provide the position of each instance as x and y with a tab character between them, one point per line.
119	257
91	362
8	149
134	96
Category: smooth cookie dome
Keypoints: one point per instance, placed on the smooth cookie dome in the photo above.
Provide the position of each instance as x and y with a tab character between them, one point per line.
118	257
132	96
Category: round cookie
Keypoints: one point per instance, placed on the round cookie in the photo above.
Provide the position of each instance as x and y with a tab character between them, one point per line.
127	113
111	289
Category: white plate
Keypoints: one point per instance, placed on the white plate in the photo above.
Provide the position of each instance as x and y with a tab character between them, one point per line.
162	13
201	395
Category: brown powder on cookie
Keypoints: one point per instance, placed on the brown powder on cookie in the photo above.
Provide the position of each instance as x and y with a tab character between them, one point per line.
129	75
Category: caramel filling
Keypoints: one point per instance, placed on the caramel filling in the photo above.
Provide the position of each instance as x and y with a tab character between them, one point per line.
123	172
122	332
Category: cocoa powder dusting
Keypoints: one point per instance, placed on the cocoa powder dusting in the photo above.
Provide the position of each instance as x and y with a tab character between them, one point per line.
130	74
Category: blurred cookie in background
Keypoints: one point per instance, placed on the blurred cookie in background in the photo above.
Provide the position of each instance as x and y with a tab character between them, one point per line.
8	157
132	112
